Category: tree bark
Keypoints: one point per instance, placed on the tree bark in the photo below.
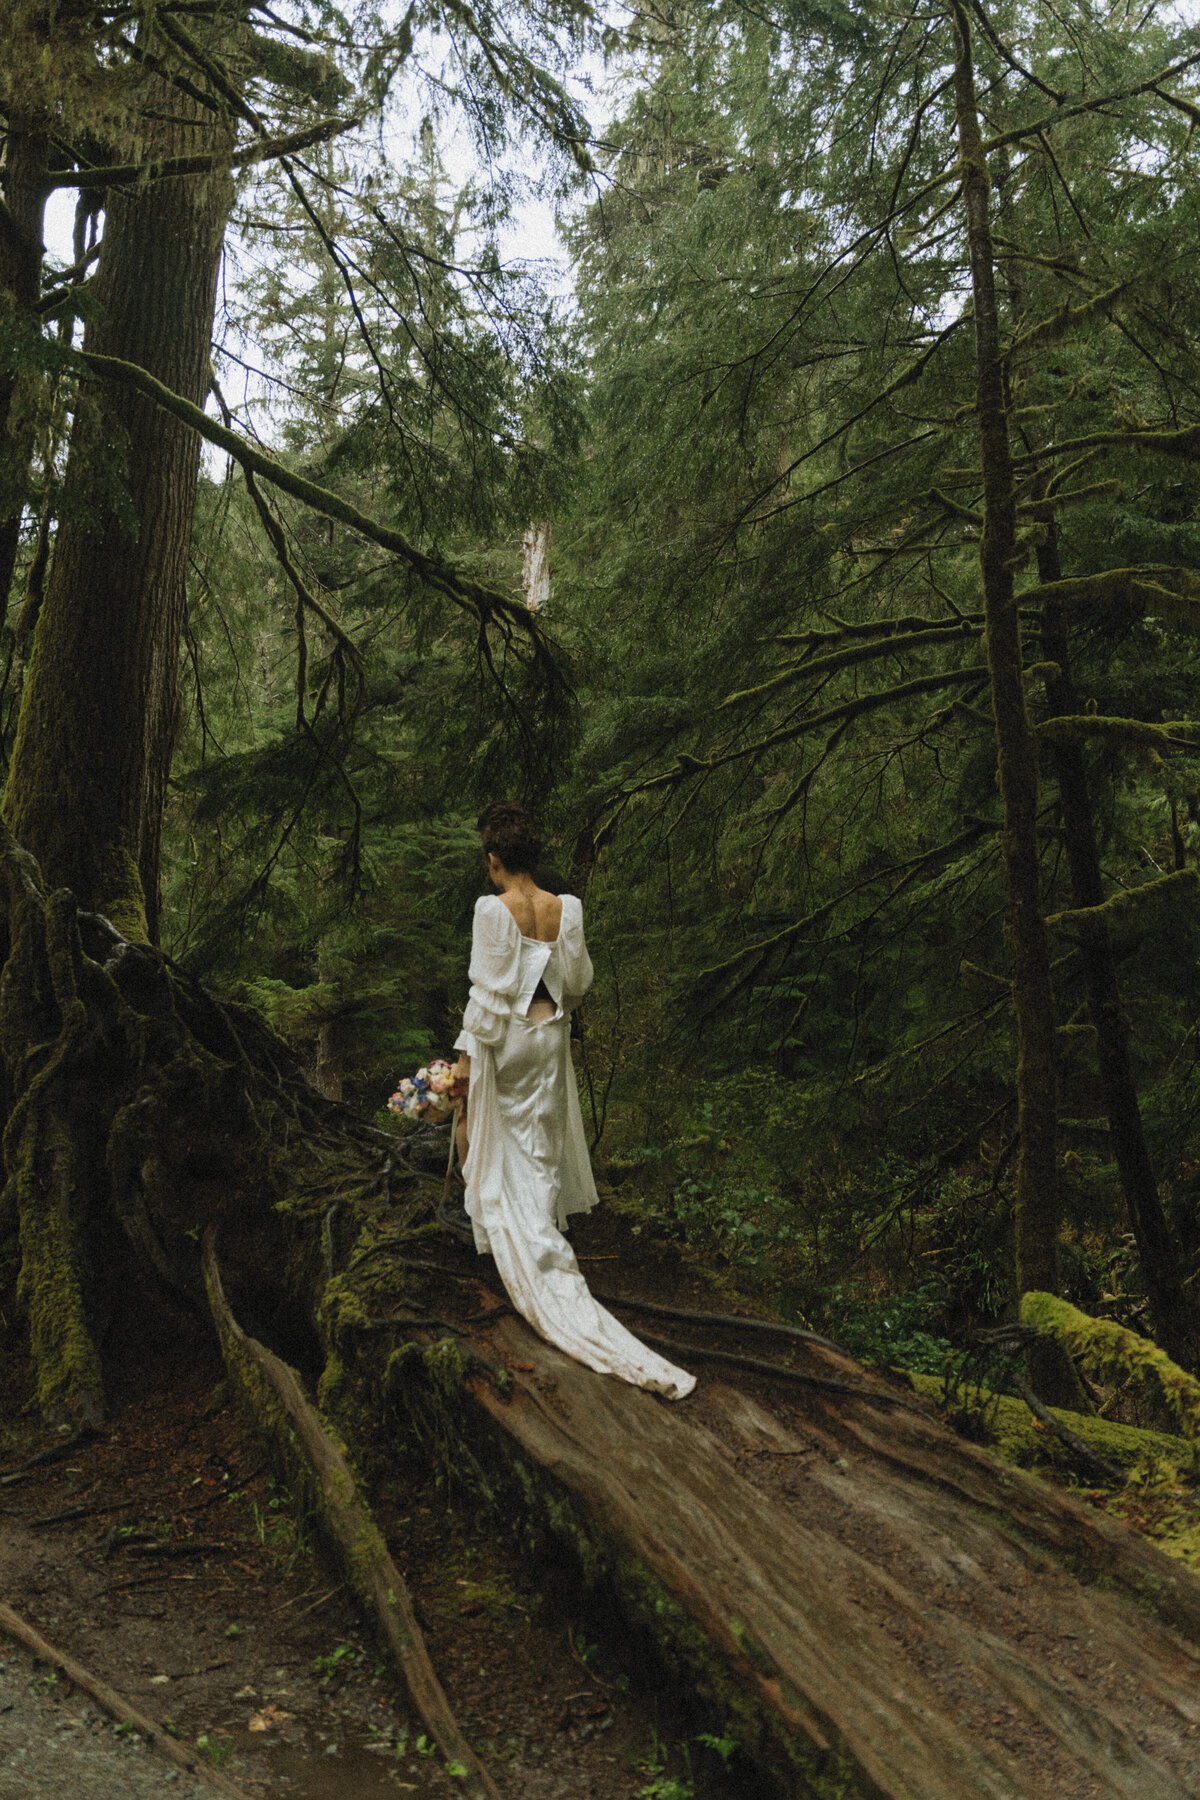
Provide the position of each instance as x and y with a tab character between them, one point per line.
25	187
1033	996
99	705
1176	1324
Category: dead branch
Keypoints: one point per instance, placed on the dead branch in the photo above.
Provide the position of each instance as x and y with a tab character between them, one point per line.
116	1705
124	174
316	1465
1083	1453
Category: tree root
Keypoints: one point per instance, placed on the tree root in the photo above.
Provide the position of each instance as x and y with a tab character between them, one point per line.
117	1707
54	1453
781	1371
1088	1459
773	1327
316	1467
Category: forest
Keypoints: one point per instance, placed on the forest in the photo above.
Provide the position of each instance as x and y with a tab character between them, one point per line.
809	534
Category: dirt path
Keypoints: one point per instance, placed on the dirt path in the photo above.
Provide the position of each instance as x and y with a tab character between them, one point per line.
55	1743
184	1580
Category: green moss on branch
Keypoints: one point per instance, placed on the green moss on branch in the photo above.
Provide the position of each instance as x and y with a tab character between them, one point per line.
1113	1352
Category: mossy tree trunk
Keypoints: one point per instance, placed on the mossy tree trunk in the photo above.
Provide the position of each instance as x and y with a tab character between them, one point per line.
90	764
25	187
1176	1323
99	704
1037	1212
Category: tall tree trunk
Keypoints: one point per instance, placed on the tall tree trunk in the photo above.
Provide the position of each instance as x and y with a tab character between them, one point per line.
1033	997
25	186
98	712
1175	1319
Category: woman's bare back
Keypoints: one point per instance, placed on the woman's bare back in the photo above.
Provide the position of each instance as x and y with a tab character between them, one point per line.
538	914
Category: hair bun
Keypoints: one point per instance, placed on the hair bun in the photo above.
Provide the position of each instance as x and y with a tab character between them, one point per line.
509	833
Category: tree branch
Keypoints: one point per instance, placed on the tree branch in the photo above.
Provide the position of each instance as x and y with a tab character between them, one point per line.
906	870
123	174
850	709
859	653
488	604
1068	726
1118	908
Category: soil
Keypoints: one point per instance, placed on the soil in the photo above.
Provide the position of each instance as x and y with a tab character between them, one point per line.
161	1555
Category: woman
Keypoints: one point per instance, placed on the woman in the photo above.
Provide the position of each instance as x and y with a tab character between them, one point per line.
527	1165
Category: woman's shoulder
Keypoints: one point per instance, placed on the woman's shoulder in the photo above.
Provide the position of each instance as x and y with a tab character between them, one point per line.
490	910
572	912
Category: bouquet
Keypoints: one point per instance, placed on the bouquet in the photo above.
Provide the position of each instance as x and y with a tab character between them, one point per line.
427	1094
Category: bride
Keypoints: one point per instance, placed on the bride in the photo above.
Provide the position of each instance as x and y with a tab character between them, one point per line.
527	1165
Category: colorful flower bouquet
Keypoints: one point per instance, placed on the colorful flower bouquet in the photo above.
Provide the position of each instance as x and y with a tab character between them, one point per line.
427	1095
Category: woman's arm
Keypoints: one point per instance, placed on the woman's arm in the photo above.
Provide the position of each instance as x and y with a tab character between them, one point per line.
494	973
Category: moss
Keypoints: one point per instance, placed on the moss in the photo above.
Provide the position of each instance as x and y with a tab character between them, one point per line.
69	1380
447	1364
1015	1434
332	1383
1112	1352
341	1309
120	896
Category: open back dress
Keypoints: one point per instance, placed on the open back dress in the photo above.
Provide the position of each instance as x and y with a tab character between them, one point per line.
527	1168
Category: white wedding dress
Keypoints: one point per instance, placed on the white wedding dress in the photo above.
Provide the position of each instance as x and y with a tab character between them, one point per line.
527	1167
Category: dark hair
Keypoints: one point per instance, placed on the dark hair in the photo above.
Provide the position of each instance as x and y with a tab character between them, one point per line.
509	833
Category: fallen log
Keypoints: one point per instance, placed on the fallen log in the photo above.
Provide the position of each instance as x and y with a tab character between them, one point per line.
183	1756
886	1625
315	1466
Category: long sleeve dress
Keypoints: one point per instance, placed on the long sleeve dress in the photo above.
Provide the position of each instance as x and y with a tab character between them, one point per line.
527	1168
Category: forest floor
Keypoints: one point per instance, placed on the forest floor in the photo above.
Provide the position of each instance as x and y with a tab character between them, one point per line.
162	1556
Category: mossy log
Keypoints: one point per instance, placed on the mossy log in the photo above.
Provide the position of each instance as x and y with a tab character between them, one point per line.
1111	1350
889	1624
315	1466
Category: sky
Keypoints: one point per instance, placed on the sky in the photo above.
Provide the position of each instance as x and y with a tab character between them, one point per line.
532	235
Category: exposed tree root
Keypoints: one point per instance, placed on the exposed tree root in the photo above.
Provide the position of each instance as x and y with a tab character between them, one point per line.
316	1466
757	1365
124	1711
768	1327
54	1453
